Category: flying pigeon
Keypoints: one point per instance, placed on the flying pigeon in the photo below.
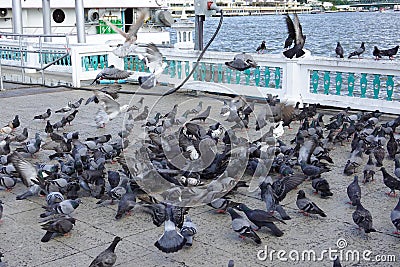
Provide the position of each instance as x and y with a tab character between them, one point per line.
242	226
339	50
110	109
153	60
307	206
358	51
131	36
108	256
296	34
241	62
111	73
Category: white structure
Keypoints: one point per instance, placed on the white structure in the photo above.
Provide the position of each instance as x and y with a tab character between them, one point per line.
63	21
184	33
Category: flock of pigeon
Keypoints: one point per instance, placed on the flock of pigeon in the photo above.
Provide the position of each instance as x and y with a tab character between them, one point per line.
194	161
199	162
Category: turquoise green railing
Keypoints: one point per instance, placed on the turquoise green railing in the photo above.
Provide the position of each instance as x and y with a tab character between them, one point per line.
270	77
362	84
49	56
94	62
12	53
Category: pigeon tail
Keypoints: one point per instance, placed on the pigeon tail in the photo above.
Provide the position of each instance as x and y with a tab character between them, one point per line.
171	241
47	237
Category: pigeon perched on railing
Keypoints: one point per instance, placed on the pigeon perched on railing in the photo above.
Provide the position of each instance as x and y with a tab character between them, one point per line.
261	48
358	51
339	50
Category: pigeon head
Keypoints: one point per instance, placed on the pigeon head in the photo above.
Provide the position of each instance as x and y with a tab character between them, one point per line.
301	194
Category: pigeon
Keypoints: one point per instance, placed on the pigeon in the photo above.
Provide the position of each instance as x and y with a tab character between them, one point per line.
262	218
395	217
2	264
339	50
43	116
64	109
107	258
27	172
242	226
376	53
336	262
321	185
111	73
59	226
358	51
126	204
261	48
22	136
110	109
363	218
7	182
1	209
390	52
65	207
354	191
390	181
296	34
71	117
5	146
131	36
222	204
76	104
188	230
203	116
241	62
153	61
307	206
171	240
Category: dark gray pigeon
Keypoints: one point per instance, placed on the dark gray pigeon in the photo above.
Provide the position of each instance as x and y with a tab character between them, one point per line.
262	218
363	218
339	50
307	206
358	51
395	217
59	226
390	181
242	226
171	240
111	73
321	185
43	116
107	258
241	62
296	34
354	191
336	262
203	116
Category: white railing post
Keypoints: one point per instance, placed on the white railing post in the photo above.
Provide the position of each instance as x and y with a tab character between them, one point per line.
76	63
32	59
295	81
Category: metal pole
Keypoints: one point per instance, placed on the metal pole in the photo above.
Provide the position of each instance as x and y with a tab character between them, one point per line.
199	26
17	17
80	21
46	19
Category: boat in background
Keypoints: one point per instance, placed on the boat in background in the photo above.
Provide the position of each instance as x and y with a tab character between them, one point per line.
122	13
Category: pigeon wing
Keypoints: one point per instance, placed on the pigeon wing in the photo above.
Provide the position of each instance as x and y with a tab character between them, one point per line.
25	169
290	27
115	28
110	106
298	30
133	30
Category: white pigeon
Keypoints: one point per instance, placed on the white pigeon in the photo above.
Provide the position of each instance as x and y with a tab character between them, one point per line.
129	46
110	109
279	130
153	60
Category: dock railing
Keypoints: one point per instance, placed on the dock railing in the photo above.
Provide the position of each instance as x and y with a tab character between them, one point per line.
364	84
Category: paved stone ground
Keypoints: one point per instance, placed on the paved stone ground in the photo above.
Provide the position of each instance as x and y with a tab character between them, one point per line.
216	243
